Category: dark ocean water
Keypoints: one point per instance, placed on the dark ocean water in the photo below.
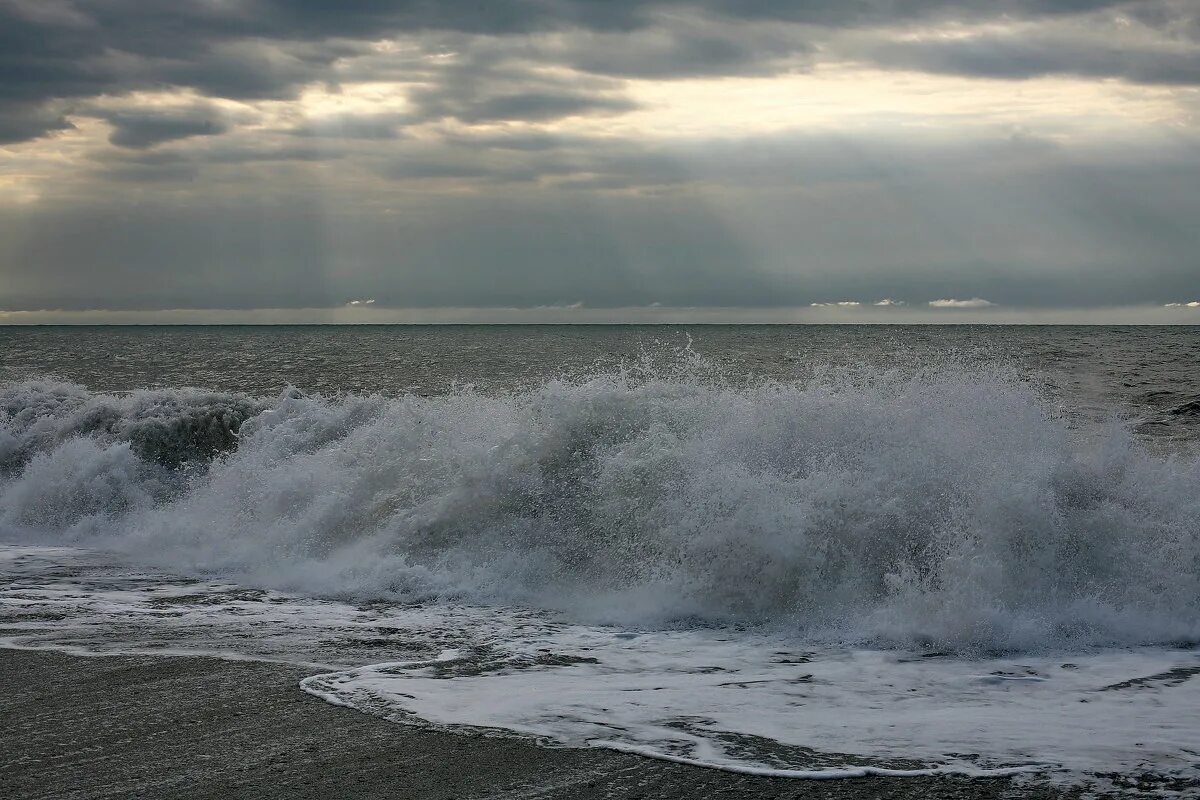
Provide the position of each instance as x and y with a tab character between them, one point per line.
1150	372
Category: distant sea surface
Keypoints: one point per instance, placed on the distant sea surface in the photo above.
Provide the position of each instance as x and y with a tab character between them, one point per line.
1151	371
808	551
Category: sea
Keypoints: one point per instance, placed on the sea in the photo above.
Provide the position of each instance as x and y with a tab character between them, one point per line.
799	551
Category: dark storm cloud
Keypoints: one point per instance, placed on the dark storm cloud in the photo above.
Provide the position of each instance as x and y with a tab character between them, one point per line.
1026	56
243	70
142	129
446	193
56	51
1179	18
685	49
21	122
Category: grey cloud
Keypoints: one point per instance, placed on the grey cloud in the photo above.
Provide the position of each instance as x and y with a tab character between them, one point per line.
352	126
424	168
1178	18
765	162
112	47
20	122
485	85
247	70
190	164
612	182
317	19
848	13
242	154
569	161
788	160
271	48
438	161
529	142
537	106
1028	57
139	129
756	222
133	172
685	49
41	59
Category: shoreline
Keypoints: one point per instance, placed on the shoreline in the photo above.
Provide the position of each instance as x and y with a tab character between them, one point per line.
200	727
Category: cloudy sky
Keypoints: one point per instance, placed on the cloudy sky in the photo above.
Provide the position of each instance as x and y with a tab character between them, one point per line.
599	160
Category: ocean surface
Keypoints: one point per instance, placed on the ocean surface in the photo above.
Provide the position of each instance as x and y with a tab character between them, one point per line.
809	551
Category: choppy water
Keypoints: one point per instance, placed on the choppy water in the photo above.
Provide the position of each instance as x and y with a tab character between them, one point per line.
798	550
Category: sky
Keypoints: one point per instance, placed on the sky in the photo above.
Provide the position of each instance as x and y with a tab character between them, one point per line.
599	161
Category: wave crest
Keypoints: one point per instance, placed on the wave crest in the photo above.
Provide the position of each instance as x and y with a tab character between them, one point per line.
170	427
952	507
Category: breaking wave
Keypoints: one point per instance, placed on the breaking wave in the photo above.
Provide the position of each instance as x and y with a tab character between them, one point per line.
947	507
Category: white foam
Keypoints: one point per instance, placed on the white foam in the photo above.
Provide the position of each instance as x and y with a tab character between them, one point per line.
738	703
750	702
951	508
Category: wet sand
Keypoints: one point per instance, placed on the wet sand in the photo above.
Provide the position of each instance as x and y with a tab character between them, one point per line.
121	727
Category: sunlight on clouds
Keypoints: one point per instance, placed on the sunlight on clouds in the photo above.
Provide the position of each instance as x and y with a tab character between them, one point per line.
695	153
846	97
17	190
353	98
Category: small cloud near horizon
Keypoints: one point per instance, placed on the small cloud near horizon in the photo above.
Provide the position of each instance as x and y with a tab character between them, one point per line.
974	302
1193	304
369	302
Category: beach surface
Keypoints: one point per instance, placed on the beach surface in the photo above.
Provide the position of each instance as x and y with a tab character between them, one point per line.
175	727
